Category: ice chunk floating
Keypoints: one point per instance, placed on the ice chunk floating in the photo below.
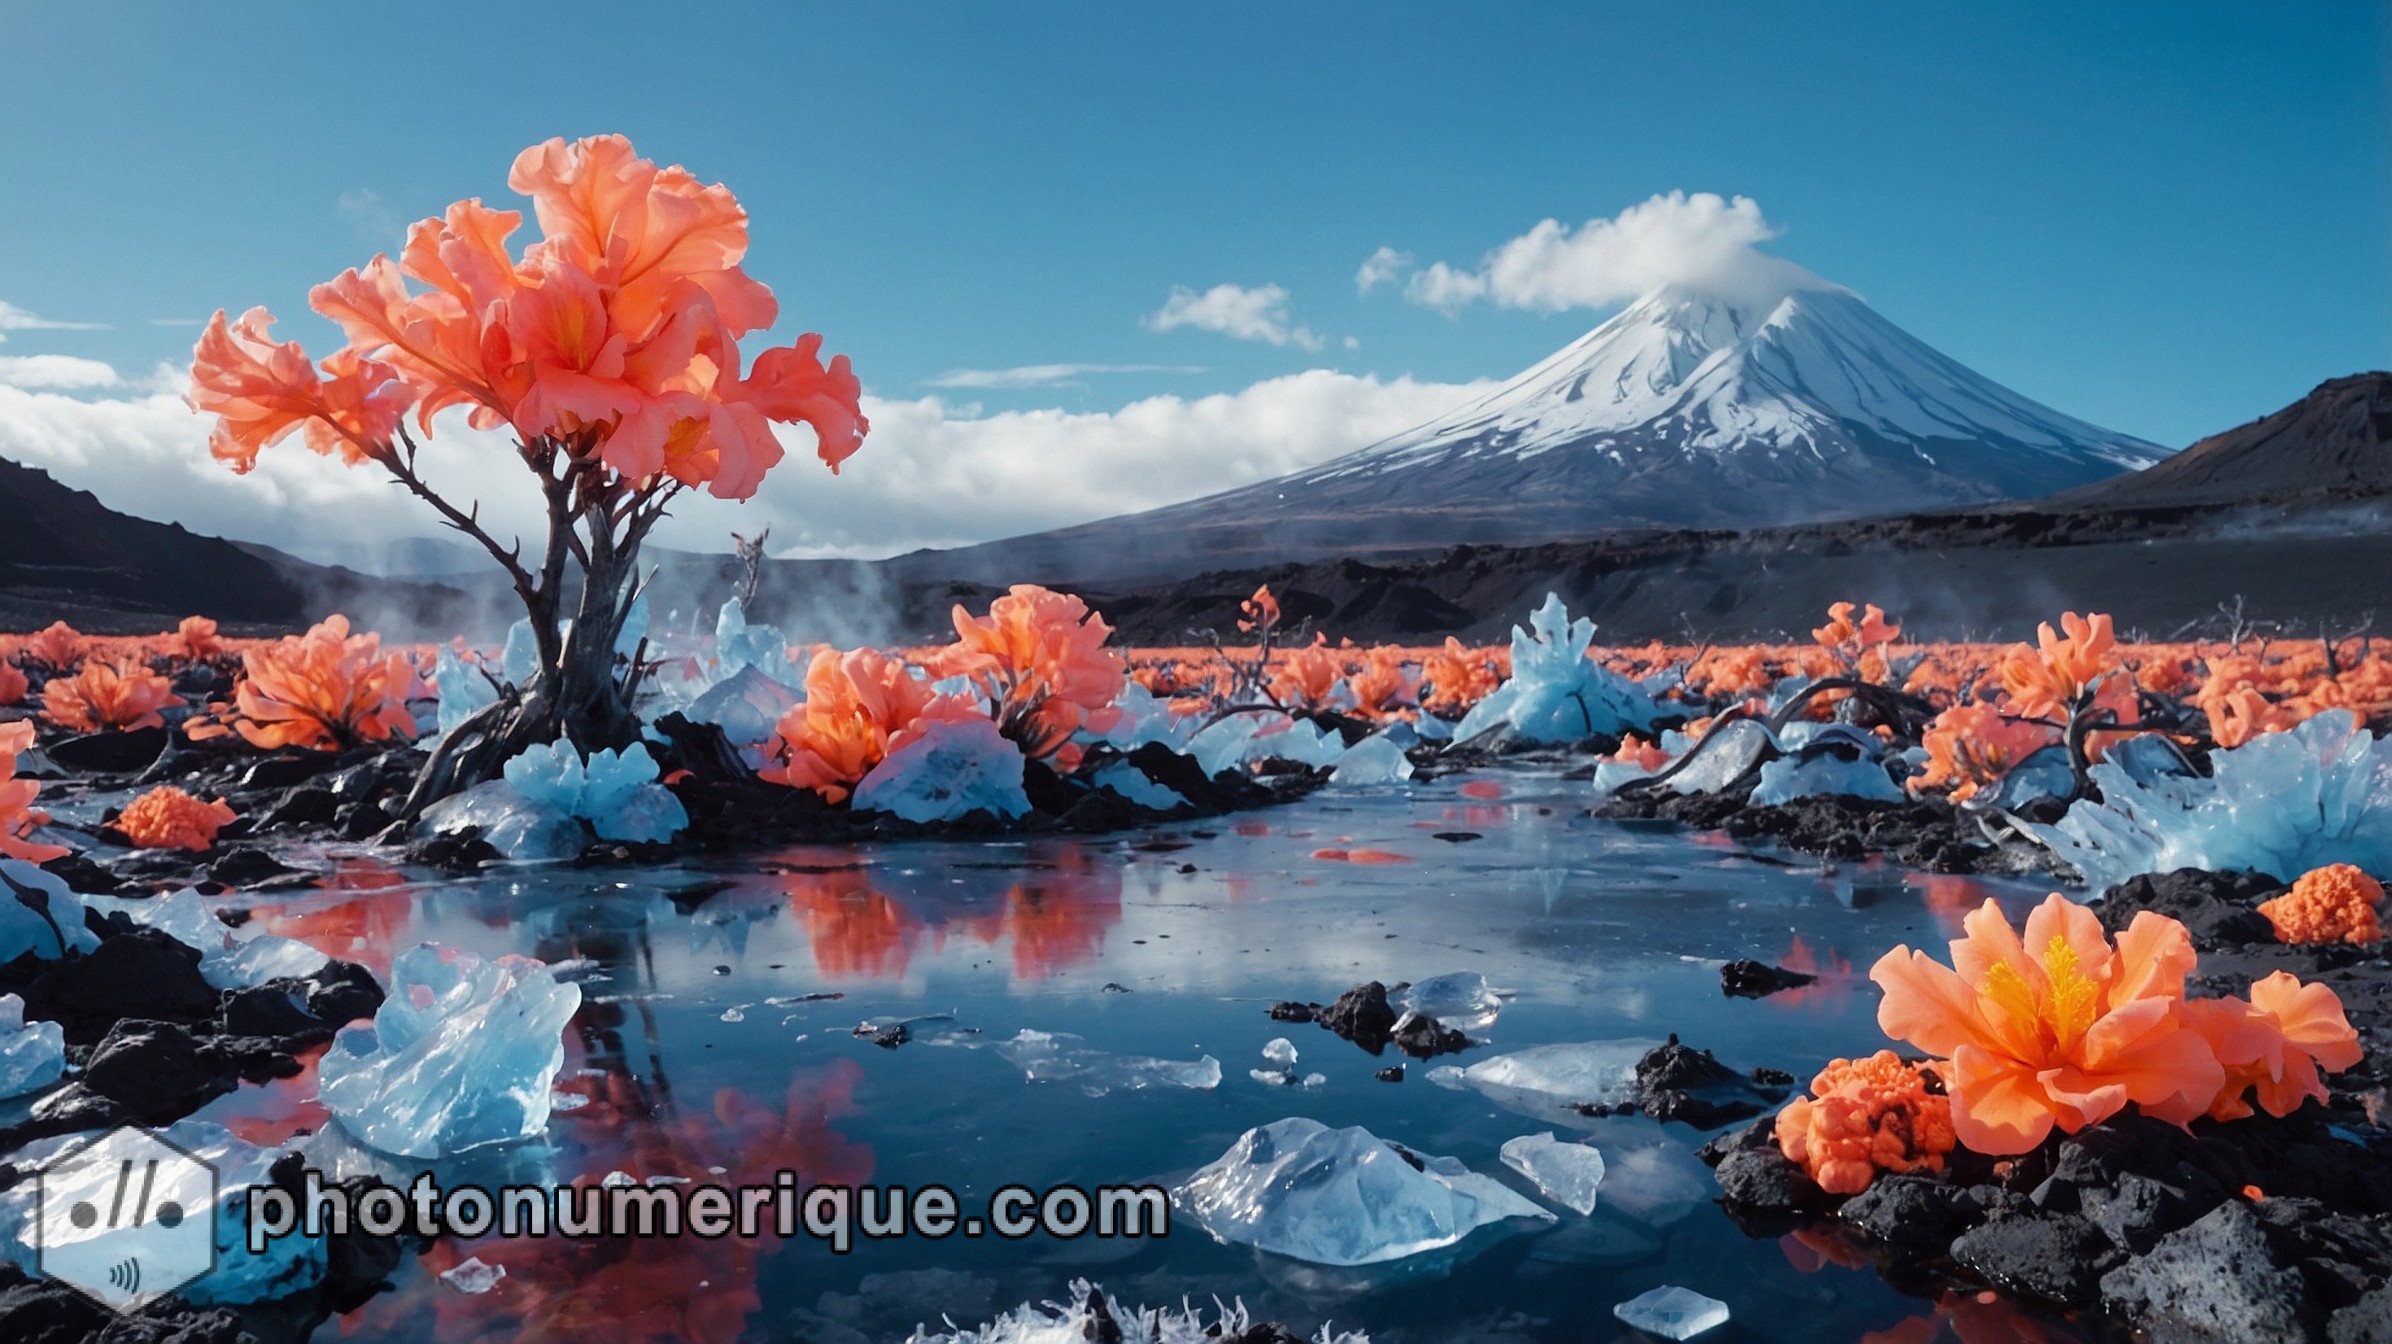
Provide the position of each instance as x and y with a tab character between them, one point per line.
1672	1312
1298	1188
1569	1174
32	1054
1059	1057
460	1055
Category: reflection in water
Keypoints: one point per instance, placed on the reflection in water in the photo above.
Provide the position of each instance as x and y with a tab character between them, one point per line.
1054	907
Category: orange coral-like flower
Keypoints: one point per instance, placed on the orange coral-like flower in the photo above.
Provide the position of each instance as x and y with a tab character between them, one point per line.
59	647
260	391
1261	611
2242	713
1305	678
1842	632
13	684
1865	1116
2273	1045
2046	680
858	705
1971	746
2062	1028
326	690
195	638
1458	677
1041	659
18	815
1638	752
2333	904
104	697
168	818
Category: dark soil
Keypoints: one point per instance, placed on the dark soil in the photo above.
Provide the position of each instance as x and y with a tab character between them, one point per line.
1926	834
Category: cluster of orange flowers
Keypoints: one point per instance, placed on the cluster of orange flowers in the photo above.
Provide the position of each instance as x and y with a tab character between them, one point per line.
2065	1028
1865	1116
326	690
859	706
168	818
108	697
2333	904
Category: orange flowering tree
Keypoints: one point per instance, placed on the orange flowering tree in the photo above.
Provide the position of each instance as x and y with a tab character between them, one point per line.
609	350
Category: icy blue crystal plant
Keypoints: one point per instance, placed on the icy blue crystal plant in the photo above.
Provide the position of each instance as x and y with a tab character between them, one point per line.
461	1054
463	688
947	769
32	1054
738	644
1556	693
615	791
2282	803
1788	778
39	914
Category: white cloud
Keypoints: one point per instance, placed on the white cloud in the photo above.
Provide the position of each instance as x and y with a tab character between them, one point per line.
13	318
1045	375
1381	267
1258	314
61	371
929	475
1701	241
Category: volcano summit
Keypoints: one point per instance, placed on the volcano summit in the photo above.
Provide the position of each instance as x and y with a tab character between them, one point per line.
1728	407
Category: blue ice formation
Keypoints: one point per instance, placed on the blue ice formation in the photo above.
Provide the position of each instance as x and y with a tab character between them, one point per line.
947	769
2281	803
226	960
461	1054
39	914
32	1054
464	690
1298	1188
1556	693
615	791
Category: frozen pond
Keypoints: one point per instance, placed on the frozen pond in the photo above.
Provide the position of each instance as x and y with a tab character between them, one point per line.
1172	944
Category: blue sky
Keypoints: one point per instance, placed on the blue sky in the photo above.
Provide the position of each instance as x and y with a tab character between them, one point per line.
2164	218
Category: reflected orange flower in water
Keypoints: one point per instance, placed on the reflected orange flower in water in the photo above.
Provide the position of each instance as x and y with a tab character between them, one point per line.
1480	788
854	930
1832	975
1058	920
107	697
1361	856
661	1290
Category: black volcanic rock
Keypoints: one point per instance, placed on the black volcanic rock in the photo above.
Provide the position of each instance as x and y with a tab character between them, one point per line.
2335	443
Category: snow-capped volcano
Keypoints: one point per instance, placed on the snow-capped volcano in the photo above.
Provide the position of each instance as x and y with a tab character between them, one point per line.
1778	399
1663	409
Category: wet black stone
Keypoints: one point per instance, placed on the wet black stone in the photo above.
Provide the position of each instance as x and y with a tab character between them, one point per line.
460	851
1264	1332
2058	1258
2219	909
1912	1211
2135	1211
172	1321
1763	1180
306	805
2366	1321
82	875
156	1070
248	867
141	974
1456	837
1291	1011
1361	1015
1393	1073
276	1009
1424	1037
46	1312
341	993
1749	979
108	753
281	772
1692	1087
2215	1282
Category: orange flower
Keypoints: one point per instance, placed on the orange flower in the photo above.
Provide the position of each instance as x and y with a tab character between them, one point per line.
2333	904
857	707
2238	715
168	818
196	638
2061	1028
1842	632
1459	677
1636	751
2047	681
1262	610
1305	677
2273	1045
259	392
1869	1115
18	815
1971	746
13	684
104	697
58	648
1041	659
326	690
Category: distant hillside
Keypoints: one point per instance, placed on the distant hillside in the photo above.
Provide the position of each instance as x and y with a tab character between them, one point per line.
2334	444
66	556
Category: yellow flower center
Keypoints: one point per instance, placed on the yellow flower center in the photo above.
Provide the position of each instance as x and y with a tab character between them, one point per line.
2066	1008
